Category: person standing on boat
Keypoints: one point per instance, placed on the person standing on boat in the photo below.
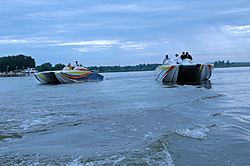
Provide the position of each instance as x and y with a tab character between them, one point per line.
183	56
76	65
188	56
177	59
166	59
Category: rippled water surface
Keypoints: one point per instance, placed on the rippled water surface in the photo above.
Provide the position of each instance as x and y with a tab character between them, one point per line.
126	119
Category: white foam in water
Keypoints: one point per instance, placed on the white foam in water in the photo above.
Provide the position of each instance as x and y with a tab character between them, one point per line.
149	135
168	156
27	124
76	162
197	132
119	160
147	156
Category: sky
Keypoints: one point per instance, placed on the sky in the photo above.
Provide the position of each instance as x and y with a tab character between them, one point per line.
131	32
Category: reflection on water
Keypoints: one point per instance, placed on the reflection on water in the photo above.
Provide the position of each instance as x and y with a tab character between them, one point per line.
199	84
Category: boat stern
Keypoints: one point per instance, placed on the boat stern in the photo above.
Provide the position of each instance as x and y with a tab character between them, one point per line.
167	73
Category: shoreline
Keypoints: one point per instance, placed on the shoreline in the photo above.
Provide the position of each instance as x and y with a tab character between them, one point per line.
115	71
15	74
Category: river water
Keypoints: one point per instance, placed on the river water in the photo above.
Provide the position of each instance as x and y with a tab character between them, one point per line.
127	119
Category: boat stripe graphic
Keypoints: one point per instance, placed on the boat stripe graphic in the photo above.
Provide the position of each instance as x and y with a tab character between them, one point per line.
201	67
162	71
168	71
70	76
40	75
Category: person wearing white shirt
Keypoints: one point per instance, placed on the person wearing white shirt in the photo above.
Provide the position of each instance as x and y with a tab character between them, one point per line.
76	65
165	59
177	59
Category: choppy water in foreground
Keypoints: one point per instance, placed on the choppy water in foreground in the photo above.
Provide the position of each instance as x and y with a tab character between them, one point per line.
126	119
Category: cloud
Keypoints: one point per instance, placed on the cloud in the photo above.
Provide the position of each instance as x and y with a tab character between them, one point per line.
51	42
129	28
13	2
101	45
93	42
51	15
13	41
30	41
90	46
93	48
237	11
115	8
133	45
79	13
245	29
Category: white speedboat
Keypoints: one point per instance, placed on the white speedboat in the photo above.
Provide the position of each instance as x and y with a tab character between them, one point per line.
185	72
67	75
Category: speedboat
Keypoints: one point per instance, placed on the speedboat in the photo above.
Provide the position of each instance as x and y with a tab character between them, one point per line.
66	75
188	71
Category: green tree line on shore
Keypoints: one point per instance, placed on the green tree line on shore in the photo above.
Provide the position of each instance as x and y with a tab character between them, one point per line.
140	67
18	62
218	64
48	67
102	69
21	62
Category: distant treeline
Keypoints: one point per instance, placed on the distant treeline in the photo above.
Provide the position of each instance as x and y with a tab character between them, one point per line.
140	67
21	62
219	63
102	69
18	62
48	67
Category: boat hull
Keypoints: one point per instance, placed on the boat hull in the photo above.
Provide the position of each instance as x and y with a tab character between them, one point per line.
183	73
57	77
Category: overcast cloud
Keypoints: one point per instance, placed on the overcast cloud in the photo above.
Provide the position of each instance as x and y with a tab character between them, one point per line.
98	33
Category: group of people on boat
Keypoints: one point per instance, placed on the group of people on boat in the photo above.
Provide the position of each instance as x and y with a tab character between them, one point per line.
71	67
77	66
178	59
